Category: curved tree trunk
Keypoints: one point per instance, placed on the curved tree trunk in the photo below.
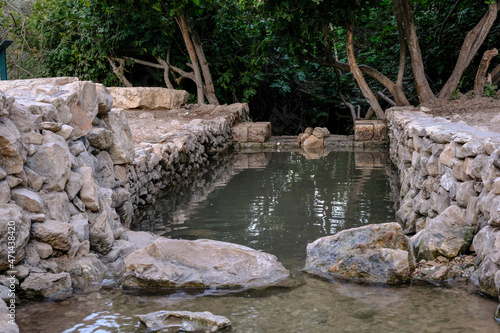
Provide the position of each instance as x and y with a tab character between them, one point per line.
425	94
399	95
120	71
402	53
183	25
358	75
471	45
481	76
209	85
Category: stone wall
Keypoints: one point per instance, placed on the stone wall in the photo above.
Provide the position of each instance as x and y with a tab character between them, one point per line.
70	179
450	190
170	158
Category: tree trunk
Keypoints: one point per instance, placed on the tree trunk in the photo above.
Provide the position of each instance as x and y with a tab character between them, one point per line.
398	94
402	54
471	45
481	71
358	75
495	75
166	72
182	22
209	85
425	94
119	71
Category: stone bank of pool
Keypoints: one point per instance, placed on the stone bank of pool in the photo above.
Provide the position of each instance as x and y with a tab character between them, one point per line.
278	203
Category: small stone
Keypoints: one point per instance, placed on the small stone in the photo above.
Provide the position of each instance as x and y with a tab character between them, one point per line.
50	126
146	115
44	250
442	259
100	138
77	147
66	132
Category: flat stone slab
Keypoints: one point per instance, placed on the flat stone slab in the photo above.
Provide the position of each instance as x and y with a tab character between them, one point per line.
185	321
252	132
368	130
148	97
208	264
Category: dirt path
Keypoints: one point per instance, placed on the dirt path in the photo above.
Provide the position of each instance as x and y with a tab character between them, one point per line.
480	112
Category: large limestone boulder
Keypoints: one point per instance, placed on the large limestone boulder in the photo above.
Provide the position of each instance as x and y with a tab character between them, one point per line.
313	142
47	286
148	98
83	105
89	193
12	223
11	150
22	118
101	234
57	206
448	235
27	199
122	148
87	273
377	253
487	246
52	161
185	321
58	234
104	99
171	263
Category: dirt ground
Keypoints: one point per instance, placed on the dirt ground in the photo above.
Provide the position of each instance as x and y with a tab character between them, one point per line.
146	124
480	112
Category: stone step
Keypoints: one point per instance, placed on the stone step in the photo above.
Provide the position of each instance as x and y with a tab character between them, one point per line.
251	132
370	130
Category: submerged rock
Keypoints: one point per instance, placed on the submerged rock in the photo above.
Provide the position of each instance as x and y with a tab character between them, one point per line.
376	253
171	263
185	321
47	286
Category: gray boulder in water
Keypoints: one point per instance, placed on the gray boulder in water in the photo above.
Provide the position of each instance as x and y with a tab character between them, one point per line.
376	253
185	321
171	263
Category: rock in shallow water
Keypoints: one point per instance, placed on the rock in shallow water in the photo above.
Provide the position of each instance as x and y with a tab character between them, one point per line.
47	286
185	321
171	263
377	253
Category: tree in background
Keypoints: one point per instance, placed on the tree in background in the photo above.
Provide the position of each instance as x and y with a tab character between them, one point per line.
306	22
291	60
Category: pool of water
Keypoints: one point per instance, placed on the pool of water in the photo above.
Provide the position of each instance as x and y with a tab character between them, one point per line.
278	203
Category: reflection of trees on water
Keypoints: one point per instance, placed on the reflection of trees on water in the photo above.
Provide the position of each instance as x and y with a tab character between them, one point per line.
281	208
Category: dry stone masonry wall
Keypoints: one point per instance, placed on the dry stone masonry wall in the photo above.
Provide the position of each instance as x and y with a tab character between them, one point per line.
71	177
169	159
450	190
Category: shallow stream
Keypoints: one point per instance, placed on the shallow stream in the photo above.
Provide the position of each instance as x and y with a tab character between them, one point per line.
278	203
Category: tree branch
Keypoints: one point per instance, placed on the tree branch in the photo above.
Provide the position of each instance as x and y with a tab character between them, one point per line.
470	46
119	71
481	71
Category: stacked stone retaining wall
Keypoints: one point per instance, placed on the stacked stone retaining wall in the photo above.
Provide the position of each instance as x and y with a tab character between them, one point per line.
71	177
445	164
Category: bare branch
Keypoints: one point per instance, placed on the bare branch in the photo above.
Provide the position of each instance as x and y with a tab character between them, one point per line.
481	71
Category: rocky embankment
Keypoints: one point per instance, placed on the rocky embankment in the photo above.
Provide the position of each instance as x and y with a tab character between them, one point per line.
71	177
450	187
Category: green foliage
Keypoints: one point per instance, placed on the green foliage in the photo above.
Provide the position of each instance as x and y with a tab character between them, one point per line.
490	90
455	95
256	49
